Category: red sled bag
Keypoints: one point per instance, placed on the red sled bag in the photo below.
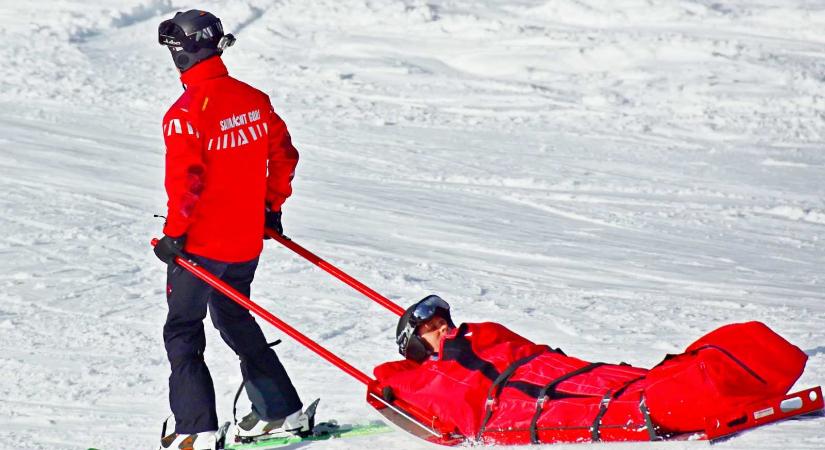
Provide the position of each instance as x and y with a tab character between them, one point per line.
729	367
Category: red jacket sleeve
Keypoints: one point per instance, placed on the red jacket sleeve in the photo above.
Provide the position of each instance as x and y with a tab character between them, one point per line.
184	172
283	157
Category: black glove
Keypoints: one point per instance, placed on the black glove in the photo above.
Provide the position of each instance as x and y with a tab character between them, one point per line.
169	247
272	221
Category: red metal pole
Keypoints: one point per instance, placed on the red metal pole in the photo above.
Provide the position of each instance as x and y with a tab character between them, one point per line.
244	301
336	272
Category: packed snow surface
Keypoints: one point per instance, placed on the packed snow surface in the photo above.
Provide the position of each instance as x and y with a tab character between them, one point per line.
614	178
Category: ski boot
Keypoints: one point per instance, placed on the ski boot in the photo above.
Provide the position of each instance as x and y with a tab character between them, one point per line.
207	440
253	428
197	441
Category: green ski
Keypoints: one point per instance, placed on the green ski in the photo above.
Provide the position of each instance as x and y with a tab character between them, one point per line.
323	432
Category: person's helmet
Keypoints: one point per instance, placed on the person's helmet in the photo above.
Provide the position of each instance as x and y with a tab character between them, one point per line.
193	36
410	345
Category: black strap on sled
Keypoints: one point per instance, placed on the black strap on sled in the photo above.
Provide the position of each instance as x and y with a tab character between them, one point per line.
730	355
651	429
460	350
547	392
240	389
594	429
734	358
595	436
498	386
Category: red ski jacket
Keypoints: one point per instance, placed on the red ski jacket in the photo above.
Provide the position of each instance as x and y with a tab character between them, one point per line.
491	384
227	155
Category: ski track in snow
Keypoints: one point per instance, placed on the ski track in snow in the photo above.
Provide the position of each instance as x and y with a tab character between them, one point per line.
613	178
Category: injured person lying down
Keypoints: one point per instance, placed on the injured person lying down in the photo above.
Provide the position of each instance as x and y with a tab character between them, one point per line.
484	380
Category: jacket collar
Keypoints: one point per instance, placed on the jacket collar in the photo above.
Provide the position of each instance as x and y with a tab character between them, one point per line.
209	68
451	335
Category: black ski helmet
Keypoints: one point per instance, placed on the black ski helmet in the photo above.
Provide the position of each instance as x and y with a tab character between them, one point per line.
193	36
410	345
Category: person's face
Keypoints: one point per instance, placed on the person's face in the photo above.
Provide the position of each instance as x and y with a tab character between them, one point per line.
432	331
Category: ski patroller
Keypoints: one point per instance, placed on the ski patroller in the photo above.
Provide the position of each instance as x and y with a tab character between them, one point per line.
425	426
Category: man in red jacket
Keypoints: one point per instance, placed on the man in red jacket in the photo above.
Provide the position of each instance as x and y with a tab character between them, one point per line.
485	382
229	166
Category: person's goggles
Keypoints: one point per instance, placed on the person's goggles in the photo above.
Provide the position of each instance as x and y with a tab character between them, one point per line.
426	308
169	34
424	311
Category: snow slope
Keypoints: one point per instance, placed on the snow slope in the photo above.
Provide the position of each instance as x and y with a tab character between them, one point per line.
612	177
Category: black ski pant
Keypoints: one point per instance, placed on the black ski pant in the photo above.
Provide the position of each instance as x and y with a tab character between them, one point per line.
191	393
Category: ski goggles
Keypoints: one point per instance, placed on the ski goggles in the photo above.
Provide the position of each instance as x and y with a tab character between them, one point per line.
426	308
423	311
171	34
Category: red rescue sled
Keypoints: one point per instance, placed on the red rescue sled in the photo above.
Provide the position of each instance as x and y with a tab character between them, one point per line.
429	428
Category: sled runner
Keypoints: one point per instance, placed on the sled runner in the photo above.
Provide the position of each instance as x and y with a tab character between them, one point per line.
417	422
757	414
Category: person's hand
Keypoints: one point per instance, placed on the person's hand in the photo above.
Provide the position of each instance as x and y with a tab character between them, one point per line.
272	221
169	247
